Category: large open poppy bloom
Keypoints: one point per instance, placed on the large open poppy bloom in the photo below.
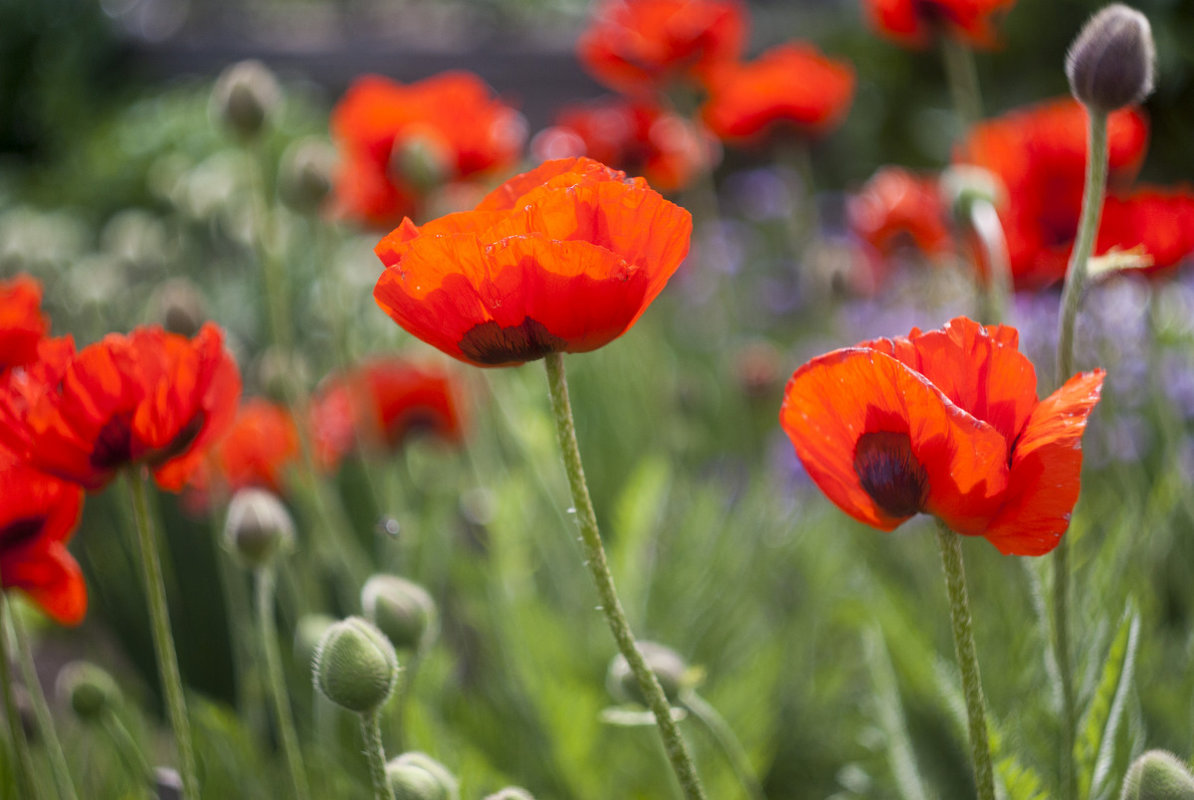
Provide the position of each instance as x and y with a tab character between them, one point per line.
792	87
38	514
642	46
395	139
22	325
151	398
915	23
564	258
947	423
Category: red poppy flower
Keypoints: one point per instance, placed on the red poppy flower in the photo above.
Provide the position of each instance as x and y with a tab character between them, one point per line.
397	141
151	398
947	423
22	325
382	403
564	258
257	449
38	514
641	46
1040	154
914	23
895	206
1159	220
638	138
791	87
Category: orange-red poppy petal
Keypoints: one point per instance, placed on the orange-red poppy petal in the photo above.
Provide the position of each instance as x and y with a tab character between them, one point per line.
53	580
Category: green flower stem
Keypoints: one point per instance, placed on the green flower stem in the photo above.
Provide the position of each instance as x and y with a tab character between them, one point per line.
962	77
997	288
1071	298
404	690
673	742
127	747
163	643
277	682
723	734
950	545
273	273
20	745
41	710
375	752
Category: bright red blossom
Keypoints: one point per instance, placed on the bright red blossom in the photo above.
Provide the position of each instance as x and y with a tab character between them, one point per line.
151	398
915	23
257	449
22	325
791	87
38	514
564	258
394	138
947	423
895	206
642	46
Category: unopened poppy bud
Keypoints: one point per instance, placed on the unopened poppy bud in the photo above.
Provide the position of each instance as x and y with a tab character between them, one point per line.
964	185
179	306
167	784
258	527
666	663
510	793
412	767
355	665
245	95
1112	62
422	161
306	174
90	690
402	610
1158	775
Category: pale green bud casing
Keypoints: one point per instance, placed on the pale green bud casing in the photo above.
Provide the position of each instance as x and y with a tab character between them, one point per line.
1158	775
90	690
258	527
402	610
245	96
671	670
511	793
447	786
305	178
1112	63
356	666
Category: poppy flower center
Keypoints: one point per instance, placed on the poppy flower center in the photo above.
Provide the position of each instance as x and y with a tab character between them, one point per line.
20	531
182	440
114	444
490	343
890	473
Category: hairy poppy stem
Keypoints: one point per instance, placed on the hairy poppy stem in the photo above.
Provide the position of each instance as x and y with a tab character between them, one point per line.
376	754
264	578
997	288
41	710
127	747
20	744
962	77
950	545
586	517
727	740
163	643
1071	298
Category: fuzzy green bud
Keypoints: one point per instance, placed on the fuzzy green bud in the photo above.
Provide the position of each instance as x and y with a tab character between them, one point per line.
402	610
1158	775
1112	63
666	663
305	178
510	793
244	97
422	160
90	690
355	665
446	785
258	527
408	782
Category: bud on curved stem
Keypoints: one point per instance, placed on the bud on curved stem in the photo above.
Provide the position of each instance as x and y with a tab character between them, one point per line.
1112	62
1158	775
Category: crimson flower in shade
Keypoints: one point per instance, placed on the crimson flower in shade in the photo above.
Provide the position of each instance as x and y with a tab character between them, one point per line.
897	206
642	46
22	325
38	514
915	23
791	87
150	398
947	423
398	141
564	258
255	451
1039	153
381	403
636	137
1158	220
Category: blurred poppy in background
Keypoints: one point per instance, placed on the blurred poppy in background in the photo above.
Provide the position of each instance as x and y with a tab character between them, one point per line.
896	207
947	423
22	324
917	23
256	451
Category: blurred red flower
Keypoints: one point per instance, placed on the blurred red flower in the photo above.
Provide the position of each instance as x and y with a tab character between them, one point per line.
1158	220
397	142
564	258
38	514
947	423
636	137
151	398
380	403
22	325
257	449
792	87
897	206
1039	152
915	23
640	47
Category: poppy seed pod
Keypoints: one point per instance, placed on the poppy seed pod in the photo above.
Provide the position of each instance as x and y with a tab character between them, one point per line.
1113	61
402	610
244	97
355	665
90	690
448	788
510	793
1158	775
666	663
258	527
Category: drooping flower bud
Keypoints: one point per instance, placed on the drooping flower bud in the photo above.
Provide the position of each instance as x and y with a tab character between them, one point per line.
674	675
179	305
446	787
1112	62
402	610
244	96
305	177
90	690
1158	775
963	185
355	665
258	527
510	793
408	782
167	784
